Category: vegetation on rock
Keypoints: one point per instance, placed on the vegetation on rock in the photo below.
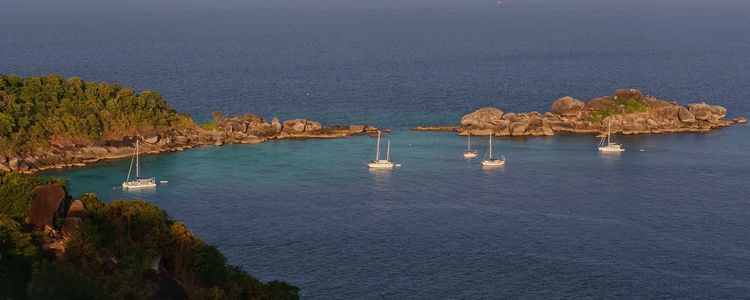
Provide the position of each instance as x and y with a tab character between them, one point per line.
37	110
120	250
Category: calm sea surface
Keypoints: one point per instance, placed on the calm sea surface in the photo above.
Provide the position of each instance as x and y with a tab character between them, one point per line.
559	220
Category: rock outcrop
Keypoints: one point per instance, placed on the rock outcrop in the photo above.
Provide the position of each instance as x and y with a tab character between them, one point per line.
650	115
487	117
239	129
567	107
46	205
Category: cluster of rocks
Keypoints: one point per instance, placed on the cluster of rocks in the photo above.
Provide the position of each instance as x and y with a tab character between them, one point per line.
575	116
245	129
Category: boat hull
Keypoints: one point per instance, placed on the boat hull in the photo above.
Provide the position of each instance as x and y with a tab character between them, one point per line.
611	149
470	155
380	165
493	163
139	184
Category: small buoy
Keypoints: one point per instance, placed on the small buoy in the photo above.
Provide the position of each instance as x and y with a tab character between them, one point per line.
642	150
307	94
398	165
163	181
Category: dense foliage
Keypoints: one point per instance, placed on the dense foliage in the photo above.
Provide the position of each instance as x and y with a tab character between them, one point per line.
35	110
631	105
113	254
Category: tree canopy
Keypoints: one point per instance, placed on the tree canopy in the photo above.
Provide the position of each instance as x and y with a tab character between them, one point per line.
35	110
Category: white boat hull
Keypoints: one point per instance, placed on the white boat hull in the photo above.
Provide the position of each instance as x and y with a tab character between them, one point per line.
381	164
470	155
493	163
611	148
139	184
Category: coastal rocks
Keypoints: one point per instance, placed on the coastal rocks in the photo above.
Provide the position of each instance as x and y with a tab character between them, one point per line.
567	107
518	128
356	128
151	140
629	110
483	118
511	117
300	126
276	125
685	116
739	120
248	124
703	111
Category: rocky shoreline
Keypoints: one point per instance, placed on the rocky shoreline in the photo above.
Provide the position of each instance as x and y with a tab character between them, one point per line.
242	129
629	110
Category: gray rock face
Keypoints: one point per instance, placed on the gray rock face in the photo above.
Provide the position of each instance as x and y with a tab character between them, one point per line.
567	107
483	118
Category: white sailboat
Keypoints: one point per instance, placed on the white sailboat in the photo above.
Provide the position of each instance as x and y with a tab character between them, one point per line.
490	162
469	154
382	163
139	182
610	146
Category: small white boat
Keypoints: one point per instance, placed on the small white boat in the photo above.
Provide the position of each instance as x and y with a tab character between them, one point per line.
490	162
138	183
382	163
609	146
469	154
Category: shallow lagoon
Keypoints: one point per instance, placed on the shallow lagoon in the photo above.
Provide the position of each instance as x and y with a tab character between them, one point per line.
558	219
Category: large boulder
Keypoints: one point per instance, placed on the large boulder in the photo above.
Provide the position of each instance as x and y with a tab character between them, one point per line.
518	128
628	94
276	125
45	205
703	111
483	118
685	116
567	107
512	117
598	104
76	210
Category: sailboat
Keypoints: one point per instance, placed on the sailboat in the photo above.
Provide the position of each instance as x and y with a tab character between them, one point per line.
493	162
469	154
139	182
610	146
382	163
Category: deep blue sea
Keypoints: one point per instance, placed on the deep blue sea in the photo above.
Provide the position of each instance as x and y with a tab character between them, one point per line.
559	220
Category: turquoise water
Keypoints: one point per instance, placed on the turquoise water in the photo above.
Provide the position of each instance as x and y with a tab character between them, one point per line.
560	220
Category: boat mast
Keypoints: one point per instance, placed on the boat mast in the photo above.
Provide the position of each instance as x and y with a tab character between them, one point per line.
490	146
377	152
388	152
136	160
609	128
468	146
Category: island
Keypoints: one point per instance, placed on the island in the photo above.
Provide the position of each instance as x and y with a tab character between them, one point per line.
51	122
628	111
53	246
